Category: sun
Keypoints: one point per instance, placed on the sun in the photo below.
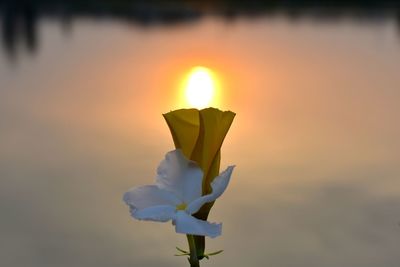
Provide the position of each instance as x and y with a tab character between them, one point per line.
200	87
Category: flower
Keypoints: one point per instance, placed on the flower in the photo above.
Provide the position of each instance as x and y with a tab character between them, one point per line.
200	134
176	195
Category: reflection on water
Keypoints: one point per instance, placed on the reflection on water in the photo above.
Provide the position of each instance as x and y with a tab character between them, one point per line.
315	142
20	18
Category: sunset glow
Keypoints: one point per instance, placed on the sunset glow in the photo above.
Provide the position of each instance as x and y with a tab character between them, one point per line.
200	87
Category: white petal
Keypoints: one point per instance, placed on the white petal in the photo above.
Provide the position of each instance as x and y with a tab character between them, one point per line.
161	213
187	224
221	182
149	195
180	176
218	186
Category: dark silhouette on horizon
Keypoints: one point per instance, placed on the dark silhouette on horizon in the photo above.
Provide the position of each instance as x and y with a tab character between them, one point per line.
19	18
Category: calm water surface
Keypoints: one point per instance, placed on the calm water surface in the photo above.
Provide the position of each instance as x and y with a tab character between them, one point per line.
316	142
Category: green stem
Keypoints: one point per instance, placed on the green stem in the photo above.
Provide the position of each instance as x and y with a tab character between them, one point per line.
194	261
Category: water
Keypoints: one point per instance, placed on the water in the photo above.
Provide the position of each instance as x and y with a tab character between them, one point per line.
315	140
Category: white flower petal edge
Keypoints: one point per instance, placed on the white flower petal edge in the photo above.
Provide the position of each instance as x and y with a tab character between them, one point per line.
149	195
187	224
177	195
218	186
161	213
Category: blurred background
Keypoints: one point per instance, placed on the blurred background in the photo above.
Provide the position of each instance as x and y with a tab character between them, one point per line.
316	89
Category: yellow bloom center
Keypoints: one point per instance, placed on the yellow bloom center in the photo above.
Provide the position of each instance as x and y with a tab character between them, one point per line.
181	206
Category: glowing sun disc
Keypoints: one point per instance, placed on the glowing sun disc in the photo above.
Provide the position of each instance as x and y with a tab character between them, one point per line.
200	87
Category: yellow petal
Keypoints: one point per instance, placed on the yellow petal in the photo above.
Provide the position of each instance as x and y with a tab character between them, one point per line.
184	125
200	135
214	125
